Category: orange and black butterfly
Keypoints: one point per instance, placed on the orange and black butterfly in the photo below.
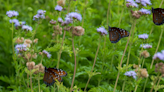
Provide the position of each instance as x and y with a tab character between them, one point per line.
115	34
53	74
158	16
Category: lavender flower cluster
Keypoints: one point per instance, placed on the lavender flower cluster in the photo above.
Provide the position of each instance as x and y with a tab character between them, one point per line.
131	74
46	53
143	36
58	8
133	3
20	47
40	15
102	31
159	55
12	13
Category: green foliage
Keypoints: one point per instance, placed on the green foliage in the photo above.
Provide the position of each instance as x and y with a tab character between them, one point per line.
15	76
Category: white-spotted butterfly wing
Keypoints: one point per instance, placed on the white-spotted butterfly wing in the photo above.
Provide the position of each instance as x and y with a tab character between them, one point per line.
115	34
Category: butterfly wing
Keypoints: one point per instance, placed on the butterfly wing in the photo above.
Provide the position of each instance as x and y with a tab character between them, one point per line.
48	78
115	34
158	16
56	77
59	72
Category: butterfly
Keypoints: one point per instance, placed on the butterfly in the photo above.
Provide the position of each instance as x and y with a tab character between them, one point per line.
158	16
115	34
53	74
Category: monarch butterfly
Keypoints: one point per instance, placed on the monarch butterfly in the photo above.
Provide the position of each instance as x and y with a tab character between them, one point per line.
158	16
115	34
53	74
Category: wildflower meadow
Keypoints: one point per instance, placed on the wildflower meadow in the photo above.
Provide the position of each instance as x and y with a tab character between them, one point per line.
81	46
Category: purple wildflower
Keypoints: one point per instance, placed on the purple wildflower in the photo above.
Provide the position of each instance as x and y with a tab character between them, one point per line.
131	3
68	20
102	30
40	15
15	21
144	2
143	36
131	74
12	13
27	28
146	46
41	12
58	8
20	48
74	15
159	55
60	20
47	53
145	11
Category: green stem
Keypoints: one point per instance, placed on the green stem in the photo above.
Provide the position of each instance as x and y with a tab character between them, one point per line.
59	55
93	63
157	47
31	82
132	29
145	84
143	62
75	62
136	88
158	83
83	20
39	82
154	82
123	86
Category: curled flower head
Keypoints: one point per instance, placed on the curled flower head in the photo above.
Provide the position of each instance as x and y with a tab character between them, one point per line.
143	36
135	14
61	2
102	31
159	55
159	67
142	73
145	54
74	15
144	2
12	13
46	53
131	74
20	48
146	46
145	11
27	28
131	3
30	65
58	8
78	31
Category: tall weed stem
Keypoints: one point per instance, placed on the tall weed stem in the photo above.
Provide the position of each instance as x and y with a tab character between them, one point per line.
59	55
157	46
132	29
93	63
75	62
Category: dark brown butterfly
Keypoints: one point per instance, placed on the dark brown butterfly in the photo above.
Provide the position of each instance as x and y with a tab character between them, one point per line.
115	34
158	16
53	74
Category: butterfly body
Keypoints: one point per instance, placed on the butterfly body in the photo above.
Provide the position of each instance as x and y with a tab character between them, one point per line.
115	34
158	16
53	74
